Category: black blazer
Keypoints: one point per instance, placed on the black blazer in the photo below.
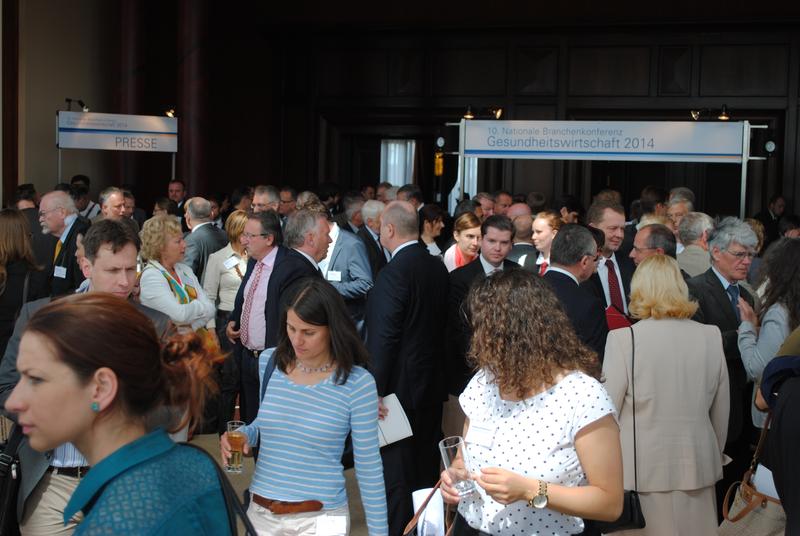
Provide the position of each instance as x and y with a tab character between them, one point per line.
716	309
236	314
66	259
626	268
406	316
377	259
458	333
43	244
584	310
200	244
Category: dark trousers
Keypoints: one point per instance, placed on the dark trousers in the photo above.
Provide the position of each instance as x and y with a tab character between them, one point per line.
412	464
249	396
229	375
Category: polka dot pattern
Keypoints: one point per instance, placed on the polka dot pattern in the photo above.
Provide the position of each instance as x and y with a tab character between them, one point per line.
534	437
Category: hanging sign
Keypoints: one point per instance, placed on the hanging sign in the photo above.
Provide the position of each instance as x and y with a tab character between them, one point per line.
116	132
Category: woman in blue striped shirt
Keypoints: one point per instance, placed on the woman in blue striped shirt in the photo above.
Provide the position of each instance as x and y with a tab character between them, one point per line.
316	396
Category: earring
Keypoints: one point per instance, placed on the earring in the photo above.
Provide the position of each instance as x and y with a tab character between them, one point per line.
95	407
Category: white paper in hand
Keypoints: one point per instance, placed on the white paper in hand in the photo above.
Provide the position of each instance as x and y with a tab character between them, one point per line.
395	425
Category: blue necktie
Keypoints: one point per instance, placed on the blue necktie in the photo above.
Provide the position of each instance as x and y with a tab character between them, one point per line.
733	292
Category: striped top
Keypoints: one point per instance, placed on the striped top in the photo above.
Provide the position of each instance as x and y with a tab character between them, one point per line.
303	430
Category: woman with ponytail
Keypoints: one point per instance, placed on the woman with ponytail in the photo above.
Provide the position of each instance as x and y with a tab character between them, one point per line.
97	392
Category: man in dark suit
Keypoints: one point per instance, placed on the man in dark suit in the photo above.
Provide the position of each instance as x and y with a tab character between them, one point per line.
346	267
369	234
655	239
573	259
406	315
48	478
498	234
204	238
612	281
247	324
43	244
731	245
770	218
59	217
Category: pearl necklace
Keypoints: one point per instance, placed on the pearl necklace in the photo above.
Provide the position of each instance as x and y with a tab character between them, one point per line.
311	370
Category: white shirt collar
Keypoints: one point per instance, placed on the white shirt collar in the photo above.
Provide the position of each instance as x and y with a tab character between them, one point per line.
722	279
309	257
403	245
489	268
196	227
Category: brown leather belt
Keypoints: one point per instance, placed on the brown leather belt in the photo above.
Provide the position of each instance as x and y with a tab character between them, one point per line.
285	507
74	472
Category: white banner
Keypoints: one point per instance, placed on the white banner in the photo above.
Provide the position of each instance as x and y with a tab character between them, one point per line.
654	141
116	132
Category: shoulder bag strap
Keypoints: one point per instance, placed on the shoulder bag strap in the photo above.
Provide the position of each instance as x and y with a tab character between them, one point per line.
232	504
633	399
270	368
415	520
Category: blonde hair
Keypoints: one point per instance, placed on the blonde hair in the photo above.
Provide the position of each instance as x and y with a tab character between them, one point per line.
659	291
650	219
234	227
155	233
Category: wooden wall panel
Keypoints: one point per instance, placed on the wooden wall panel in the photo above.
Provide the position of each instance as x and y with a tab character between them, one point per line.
609	71
744	70
675	71
469	72
406	73
352	73
536	71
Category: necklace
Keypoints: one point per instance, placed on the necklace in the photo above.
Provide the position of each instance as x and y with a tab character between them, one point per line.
310	370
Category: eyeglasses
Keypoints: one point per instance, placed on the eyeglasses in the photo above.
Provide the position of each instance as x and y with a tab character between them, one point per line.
639	250
741	255
250	236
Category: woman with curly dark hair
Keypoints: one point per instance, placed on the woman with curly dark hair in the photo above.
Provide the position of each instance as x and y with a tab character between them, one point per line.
760	337
542	439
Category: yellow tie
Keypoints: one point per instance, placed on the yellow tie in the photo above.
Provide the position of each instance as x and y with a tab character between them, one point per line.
58	250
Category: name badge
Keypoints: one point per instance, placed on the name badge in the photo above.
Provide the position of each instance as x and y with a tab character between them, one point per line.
230	263
328	525
60	272
333	275
481	434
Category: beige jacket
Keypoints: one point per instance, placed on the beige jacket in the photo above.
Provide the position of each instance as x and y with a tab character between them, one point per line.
682	402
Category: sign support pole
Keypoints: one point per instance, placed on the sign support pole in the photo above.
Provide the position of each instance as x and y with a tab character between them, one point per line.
462	129
173	166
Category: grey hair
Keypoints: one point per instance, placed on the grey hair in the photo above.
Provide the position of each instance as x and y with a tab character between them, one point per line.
63	200
571	244
678	199
483	195
372	209
391	193
199	209
352	204
272	193
682	192
692	227
108	192
731	230
298	225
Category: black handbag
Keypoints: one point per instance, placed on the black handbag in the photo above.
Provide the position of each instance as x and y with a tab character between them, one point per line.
632	516
10	478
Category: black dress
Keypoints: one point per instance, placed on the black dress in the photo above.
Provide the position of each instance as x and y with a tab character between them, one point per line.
11	299
783	445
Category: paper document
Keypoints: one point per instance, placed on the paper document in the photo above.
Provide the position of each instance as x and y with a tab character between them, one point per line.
395	425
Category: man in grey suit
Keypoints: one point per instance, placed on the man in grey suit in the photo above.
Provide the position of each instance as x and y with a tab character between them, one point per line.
48	479
204	238
347	268
693	232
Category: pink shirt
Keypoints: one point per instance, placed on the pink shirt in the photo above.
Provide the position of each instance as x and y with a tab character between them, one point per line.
257	326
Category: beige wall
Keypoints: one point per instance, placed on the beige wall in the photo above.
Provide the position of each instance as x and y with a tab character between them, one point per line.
66	49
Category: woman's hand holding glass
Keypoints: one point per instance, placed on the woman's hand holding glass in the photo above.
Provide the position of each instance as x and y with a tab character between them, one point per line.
450	494
504	486
225	448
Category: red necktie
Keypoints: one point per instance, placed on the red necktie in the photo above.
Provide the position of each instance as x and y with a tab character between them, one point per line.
543	268
244	324
614	289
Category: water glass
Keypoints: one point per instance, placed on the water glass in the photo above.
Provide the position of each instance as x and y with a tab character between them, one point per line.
456	461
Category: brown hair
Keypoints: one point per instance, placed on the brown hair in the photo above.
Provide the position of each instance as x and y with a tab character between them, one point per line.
150	375
468	220
552	218
521	335
15	242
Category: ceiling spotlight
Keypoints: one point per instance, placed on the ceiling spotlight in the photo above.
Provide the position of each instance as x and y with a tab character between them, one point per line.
170	112
695	114
496	112
83	105
723	114
469	114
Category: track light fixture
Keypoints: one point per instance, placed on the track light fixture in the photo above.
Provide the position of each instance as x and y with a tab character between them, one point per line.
82	104
469	114
723	114
701	113
170	112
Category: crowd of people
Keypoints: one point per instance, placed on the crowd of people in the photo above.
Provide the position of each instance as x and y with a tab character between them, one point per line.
579	353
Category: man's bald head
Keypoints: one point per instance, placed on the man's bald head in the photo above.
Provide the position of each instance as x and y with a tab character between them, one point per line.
523	227
399	224
518	209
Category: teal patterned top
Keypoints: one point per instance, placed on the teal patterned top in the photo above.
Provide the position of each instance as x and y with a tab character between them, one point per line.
151	486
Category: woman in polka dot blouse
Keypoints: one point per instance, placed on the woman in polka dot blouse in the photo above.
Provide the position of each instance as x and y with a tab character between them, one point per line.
541	432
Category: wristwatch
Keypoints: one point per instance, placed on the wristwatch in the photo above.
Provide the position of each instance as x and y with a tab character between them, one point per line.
539	500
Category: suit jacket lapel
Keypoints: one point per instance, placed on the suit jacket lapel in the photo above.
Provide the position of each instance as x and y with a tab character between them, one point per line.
722	297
